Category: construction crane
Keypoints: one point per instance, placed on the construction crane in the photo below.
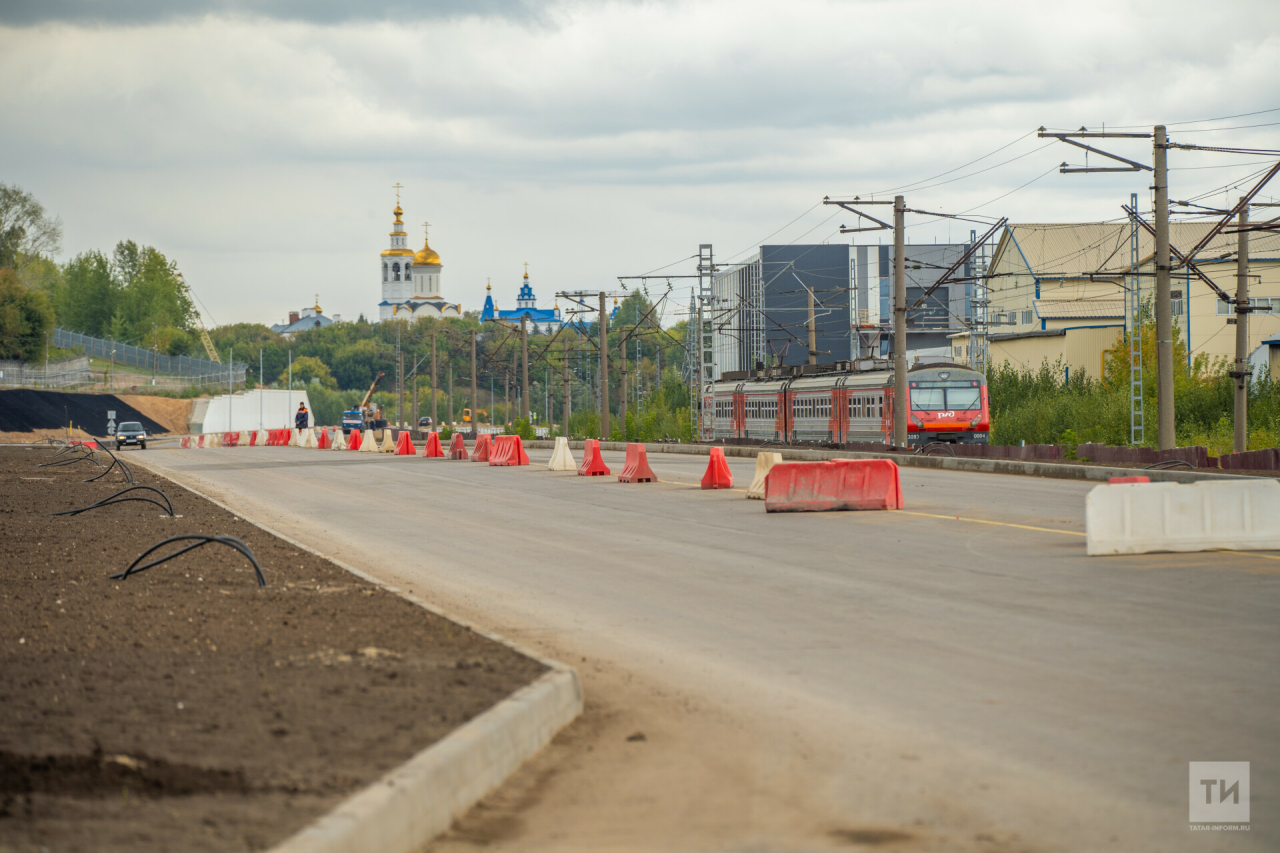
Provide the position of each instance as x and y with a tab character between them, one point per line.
364	416
204	334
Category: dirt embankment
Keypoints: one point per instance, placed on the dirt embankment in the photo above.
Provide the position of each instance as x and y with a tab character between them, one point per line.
185	708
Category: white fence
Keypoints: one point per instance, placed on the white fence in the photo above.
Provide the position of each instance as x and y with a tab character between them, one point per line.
249	410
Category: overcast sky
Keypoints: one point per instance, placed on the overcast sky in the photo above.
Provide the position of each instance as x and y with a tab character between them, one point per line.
256	143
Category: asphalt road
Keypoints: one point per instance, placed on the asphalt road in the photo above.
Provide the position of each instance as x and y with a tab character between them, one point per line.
963	661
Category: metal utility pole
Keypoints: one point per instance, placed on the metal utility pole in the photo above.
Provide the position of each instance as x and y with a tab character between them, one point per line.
450	395
813	329
564	382
524	368
155	349
622	393
1166	438
399	382
435	421
261	388
1242	371
475	401
111	371
231	383
900	402
604	369
289	406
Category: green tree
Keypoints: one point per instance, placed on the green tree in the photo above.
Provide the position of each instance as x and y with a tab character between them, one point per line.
89	295
27	233
306	370
25	319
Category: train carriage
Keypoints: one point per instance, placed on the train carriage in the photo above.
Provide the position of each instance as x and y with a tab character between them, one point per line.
948	403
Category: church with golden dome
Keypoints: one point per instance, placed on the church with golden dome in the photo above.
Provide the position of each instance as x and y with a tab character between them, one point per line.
411	280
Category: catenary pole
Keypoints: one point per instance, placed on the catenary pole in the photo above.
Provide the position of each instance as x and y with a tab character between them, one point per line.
435	421
813	330
564	391
475	401
1164	308
899	324
604	370
261	389
524	368
1241	371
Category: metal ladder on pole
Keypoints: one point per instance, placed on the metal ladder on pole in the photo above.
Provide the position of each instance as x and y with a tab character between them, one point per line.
979	346
706	345
1133	327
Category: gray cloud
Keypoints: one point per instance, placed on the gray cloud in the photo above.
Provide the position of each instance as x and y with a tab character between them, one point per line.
135	12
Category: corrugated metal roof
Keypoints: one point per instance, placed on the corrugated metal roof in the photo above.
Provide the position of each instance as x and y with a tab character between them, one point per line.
1079	309
1074	250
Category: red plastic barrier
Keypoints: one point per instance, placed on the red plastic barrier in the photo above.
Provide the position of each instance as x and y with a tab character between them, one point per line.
184	443
324	442
457	447
636	469
484	447
841	484
272	434
353	440
592	463
718	475
508	450
433	450
1139	479
404	445
200	440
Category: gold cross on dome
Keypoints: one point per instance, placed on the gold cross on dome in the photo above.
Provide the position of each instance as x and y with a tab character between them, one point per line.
397	186
425	233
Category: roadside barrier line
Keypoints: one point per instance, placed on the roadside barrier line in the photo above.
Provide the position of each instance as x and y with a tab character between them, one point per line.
1250	553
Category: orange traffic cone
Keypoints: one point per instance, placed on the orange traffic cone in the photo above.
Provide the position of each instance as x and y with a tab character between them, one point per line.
637	469
433	450
592	463
404	444
718	475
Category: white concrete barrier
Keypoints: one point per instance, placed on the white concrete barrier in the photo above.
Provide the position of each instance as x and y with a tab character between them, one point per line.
764	461
388	444
368	444
339	439
561	457
1137	518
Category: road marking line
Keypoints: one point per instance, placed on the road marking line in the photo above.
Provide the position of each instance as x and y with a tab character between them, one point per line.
681	483
996	523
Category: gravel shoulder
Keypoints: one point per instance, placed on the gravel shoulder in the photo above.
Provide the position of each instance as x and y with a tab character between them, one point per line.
185	708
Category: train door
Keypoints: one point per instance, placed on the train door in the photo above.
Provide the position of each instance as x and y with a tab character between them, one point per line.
784	423
739	419
839	423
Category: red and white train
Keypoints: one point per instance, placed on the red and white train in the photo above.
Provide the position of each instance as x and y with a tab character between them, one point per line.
948	404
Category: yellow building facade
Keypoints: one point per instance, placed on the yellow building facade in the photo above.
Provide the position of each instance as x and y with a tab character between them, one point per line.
1058	291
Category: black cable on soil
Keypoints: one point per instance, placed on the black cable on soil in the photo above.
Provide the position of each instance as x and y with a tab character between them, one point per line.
167	506
1169	463
91	456
115	460
200	539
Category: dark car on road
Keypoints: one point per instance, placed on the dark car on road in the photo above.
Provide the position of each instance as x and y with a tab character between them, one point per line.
131	432
424	422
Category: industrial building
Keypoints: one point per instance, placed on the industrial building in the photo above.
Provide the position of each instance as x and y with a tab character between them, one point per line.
760	311
1058	292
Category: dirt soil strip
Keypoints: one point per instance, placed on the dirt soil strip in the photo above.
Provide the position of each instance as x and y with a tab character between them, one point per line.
186	709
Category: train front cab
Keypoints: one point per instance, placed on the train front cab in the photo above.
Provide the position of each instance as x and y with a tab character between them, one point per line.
948	405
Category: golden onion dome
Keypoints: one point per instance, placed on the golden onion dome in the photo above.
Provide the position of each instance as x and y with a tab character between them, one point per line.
398	212
427	255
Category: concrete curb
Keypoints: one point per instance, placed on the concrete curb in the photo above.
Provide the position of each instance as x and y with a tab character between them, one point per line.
421	798
910	460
